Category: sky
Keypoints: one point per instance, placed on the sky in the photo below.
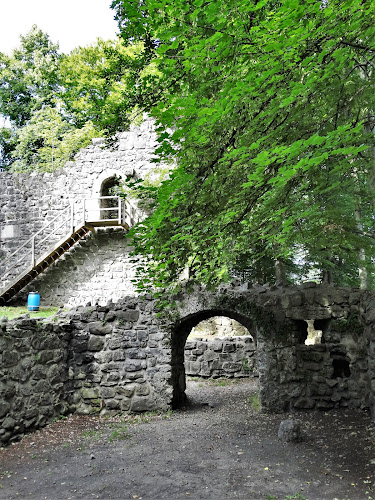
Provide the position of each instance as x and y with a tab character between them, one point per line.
72	23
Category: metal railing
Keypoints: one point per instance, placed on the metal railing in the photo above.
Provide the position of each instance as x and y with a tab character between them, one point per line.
26	255
77	214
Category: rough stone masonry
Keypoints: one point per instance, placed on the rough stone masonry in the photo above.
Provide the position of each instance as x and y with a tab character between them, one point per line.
124	357
99	268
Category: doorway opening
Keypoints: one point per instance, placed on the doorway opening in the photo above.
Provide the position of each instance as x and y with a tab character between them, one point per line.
214	346
109	190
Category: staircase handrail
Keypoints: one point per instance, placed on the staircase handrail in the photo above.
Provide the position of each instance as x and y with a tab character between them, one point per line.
122	209
32	238
127	213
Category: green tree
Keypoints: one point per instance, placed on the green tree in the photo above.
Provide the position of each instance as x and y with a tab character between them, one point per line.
57	102
28	77
267	109
47	141
95	82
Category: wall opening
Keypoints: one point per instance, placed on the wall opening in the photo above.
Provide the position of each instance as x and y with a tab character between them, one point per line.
199	352
311	331
340	363
109	187
220	347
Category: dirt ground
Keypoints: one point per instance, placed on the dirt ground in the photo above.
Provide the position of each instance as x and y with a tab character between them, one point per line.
218	447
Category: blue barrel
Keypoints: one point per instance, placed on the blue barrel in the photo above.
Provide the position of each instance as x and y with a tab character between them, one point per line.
33	301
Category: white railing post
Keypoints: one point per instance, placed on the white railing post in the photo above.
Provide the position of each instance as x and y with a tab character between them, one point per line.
33	251
119	211
72	216
84	211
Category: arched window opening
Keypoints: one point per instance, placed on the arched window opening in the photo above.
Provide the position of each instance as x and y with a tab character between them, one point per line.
219	326
109	191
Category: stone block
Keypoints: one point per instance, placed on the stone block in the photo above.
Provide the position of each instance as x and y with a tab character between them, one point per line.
193	367
4	408
209	355
131	315
126	390
142	403
133	365
142	390
231	367
89	393
304	403
107	392
95	343
289	431
10	358
100	328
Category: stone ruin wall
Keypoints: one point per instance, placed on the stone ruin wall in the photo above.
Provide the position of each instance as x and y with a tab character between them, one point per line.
100	359
220	347
98	269
29	201
229	357
294	376
122	357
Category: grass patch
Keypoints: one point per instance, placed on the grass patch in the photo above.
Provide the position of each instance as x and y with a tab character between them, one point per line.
254	402
92	433
118	433
15	312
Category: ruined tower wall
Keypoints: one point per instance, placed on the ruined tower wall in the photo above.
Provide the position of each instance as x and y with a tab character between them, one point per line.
31	200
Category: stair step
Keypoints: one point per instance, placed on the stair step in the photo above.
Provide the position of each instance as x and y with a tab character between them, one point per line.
48	260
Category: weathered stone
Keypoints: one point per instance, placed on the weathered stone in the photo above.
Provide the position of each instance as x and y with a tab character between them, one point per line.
141	403
4	408
89	393
95	343
289	431
131	315
304	403
100	328
10	358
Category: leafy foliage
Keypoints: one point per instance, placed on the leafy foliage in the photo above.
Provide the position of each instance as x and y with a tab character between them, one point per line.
57	102
95	81
47	141
28	78
267	109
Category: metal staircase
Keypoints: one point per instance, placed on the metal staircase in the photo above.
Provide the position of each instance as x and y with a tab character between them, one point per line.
58	236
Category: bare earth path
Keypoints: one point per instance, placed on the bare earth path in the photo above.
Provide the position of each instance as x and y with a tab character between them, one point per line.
218	447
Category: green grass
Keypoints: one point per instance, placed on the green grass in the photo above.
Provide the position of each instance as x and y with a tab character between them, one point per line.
14	312
92	433
254	402
118	433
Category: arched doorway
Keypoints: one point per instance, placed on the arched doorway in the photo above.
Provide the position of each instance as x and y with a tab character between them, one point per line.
109	190
204	367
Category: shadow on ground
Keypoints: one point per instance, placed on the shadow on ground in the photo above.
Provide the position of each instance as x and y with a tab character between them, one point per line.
217	447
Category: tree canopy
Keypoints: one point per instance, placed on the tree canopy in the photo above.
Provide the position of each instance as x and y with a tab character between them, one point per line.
56	103
267	109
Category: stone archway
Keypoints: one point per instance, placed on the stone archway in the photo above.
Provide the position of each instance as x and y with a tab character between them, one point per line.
293	374
220	347
103	186
179	335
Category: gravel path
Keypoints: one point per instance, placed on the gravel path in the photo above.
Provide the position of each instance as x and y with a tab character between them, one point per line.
217	447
